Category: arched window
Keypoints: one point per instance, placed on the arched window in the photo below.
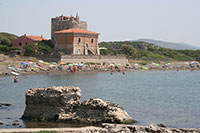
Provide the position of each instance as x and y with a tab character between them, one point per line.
20	43
86	45
79	40
92	40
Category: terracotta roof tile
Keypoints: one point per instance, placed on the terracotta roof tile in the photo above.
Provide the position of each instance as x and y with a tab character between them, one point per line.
36	38
75	30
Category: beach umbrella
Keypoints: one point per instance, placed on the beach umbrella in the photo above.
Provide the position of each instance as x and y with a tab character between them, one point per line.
36	66
75	64
80	65
41	61
135	64
118	64
157	65
112	65
192	63
66	66
24	63
28	62
46	63
70	64
54	63
153	64
61	63
144	68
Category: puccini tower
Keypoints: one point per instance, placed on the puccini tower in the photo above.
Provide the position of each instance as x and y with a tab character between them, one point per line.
70	35
64	23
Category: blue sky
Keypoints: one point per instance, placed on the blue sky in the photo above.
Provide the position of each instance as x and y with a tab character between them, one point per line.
167	20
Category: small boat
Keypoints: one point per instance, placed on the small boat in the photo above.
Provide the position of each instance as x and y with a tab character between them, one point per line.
12	69
15	74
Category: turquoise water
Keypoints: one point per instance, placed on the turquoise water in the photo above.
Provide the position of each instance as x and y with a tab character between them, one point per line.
168	97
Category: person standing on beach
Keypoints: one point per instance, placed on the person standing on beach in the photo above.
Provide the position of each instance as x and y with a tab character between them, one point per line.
74	68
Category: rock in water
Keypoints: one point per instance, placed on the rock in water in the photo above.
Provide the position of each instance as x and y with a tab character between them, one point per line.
97	110
63	104
45	104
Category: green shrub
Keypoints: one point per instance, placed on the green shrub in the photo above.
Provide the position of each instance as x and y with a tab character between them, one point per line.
4	48
30	49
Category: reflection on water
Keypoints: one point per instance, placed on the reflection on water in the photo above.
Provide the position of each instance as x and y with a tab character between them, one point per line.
167	97
29	124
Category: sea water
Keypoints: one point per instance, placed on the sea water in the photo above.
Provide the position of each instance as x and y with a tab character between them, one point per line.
168	97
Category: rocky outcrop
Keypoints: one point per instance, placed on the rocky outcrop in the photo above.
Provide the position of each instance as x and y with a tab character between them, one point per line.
153	128
64	104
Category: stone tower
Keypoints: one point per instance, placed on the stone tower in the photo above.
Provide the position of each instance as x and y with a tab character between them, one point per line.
65	22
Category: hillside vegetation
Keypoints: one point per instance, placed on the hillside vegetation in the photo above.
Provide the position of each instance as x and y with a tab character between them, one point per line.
6	42
6	38
146	51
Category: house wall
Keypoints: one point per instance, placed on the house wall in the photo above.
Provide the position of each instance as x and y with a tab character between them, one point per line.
85	39
69	43
23	40
64	43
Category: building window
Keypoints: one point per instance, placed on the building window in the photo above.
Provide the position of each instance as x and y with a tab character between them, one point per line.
26	43
79	40
86	45
20	44
92	40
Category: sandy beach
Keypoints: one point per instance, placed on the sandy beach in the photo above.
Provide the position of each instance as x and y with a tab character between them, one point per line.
15	64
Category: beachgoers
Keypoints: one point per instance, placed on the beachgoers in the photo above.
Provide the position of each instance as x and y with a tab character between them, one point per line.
16	80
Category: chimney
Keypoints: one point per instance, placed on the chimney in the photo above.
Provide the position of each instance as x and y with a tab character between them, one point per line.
41	36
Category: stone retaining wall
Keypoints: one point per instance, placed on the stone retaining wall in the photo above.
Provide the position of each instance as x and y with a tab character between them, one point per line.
96	59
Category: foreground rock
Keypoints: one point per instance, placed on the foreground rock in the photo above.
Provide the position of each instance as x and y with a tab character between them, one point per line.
63	104
107	128
153	128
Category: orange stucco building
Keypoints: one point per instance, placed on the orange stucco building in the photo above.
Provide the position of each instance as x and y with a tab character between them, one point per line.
77	41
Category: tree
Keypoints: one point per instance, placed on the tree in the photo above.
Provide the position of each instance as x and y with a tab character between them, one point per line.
48	43
30	49
43	48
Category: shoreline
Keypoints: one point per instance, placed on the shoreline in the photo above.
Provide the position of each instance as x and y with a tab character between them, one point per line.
106	128
62	72
15	64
